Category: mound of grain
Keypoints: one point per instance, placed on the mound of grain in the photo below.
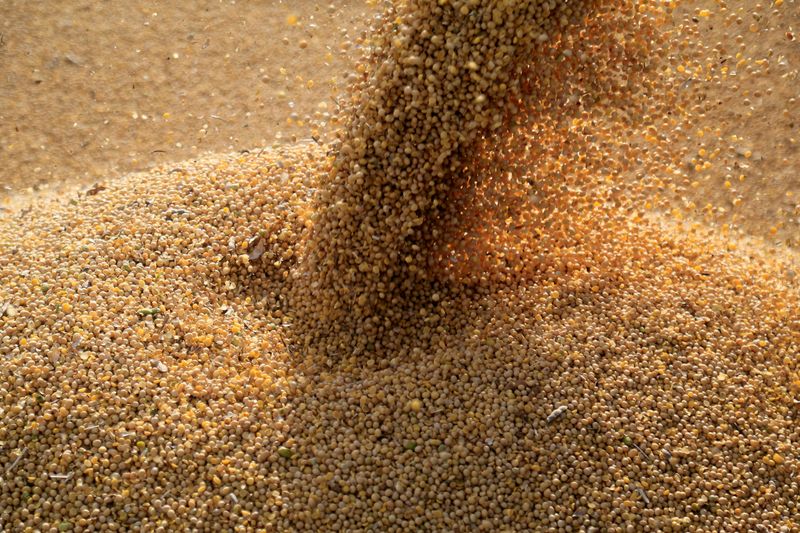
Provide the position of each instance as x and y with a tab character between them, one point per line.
176	354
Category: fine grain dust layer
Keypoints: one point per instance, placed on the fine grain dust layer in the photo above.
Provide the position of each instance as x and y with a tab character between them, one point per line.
173	356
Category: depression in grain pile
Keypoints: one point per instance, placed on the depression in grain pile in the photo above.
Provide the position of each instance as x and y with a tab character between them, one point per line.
493	301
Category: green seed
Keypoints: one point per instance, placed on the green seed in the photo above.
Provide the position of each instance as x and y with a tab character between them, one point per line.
285	452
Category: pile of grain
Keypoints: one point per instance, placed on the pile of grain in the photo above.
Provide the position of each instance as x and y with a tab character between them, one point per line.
452	321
